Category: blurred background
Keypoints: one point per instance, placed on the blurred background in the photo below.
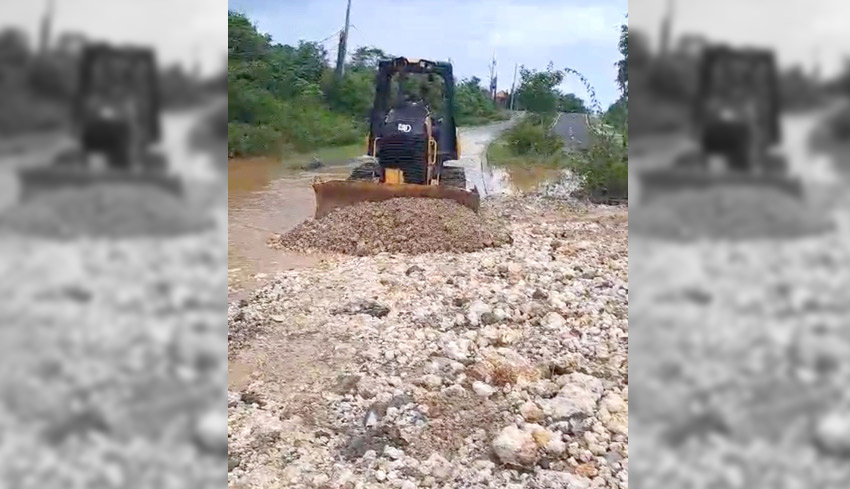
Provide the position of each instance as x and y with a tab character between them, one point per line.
113	347
738	245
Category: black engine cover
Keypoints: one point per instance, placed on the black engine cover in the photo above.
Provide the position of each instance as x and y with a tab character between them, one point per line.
403	143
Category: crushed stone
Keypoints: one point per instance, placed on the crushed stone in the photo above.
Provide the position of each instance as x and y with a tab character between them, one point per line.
403	225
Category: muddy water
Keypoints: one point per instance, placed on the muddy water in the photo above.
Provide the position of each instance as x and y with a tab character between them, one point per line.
264	198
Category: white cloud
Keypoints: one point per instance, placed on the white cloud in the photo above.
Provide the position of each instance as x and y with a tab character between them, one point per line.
533	27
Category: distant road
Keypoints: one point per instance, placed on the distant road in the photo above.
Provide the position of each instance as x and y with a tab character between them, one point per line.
573	129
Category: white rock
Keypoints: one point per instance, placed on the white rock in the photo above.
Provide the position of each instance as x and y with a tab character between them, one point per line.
833	433
393	453
614	403
432	381
439	467
455	351
515	447
476	309
531	412
570	401
553	320
211	431
586	382
556	446
483	389
550	479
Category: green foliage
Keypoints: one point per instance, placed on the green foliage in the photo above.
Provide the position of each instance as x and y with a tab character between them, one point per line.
474	105
623	63
246	139
354	94
537	91
276	98
617	115
569	102
532	137
603	167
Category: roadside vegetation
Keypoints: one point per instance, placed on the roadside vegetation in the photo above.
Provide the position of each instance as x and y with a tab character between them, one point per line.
601	167
285	100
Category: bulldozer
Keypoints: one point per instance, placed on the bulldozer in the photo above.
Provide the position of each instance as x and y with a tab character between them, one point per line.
408	145
115	121
736	127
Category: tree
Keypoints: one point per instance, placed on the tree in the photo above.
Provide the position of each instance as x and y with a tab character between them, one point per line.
367	57
537	92
623	63
570	102
243	40
617	115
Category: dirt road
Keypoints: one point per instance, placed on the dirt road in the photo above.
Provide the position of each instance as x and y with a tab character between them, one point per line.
442	369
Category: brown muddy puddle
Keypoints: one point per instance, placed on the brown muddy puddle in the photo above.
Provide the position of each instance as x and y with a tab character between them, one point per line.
266	198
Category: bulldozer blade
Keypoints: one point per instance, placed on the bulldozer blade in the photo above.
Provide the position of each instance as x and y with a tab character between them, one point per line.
341	193
665	181
35	182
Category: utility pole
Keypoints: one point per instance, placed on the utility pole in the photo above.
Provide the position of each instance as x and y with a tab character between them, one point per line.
46	24
513	87
343	41
666	27
493	77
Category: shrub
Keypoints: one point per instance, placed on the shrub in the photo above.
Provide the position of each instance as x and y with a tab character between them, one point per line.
533	137
250	140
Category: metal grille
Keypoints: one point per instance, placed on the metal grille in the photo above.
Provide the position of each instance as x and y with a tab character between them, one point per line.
405	153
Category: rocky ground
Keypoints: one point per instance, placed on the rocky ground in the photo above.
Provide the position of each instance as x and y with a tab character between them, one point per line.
112	362
740	358
112	351
505	367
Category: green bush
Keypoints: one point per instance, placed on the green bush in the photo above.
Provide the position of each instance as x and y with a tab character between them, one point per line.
603	168
251	140
532	137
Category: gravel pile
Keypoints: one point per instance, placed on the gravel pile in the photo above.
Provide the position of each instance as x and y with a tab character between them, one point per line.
741	363
403	225
105	211
505	367
729	213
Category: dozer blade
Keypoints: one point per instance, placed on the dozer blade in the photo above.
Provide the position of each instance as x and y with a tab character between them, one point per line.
665	181
50	179
341	193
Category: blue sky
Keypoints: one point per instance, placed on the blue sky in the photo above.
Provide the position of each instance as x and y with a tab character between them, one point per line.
580	34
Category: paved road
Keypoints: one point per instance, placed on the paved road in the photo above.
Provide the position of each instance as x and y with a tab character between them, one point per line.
573	128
